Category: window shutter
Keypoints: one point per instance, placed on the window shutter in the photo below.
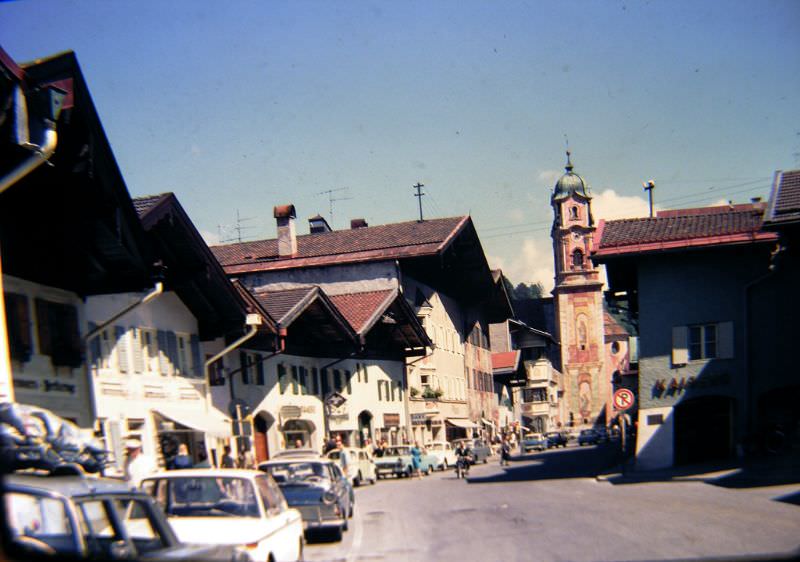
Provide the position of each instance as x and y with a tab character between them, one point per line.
122	348
72	333
347	375
324	381
680	345
95	353
172	351
379	390
315	381
197	362
259	370
282	382
18	324
244	367
725	340
138	350
303	380
163	356
43	327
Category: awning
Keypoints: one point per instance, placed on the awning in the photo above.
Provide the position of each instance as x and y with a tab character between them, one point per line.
463	423
212	422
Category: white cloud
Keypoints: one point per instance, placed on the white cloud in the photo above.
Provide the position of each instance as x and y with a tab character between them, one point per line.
211	238
532	262
550	177
610	206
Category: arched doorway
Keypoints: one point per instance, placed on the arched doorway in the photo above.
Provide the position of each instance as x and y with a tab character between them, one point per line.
261	425
364	427
703	429
298	430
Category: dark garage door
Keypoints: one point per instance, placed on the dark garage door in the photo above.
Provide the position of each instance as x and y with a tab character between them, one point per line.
703	429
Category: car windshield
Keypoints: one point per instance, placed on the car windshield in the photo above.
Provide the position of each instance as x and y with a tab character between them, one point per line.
207	496
397	451
299	471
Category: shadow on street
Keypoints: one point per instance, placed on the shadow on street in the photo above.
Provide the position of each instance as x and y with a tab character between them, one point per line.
572	462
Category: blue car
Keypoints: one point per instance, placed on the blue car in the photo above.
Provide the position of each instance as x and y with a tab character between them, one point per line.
588	437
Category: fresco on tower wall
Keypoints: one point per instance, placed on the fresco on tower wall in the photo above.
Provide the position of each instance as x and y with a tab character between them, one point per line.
585	396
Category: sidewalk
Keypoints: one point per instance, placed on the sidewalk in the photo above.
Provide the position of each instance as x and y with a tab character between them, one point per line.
732	473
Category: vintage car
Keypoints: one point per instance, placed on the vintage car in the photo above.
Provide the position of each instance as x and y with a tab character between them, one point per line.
81	517
444	453
396	460
317	488
480	450
588	437
556	439
229	507
534	442
357	464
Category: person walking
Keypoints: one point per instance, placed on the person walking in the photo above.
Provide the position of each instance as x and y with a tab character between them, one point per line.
416	460
137	464
227	458
505	452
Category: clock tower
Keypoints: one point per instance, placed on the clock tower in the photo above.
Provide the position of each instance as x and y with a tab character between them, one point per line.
578	302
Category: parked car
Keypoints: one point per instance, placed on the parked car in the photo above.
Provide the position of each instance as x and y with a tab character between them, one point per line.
602	434
480	449
534	442
556	439
588	437
77	517
444	453
317	488
397	461
357	464
229	507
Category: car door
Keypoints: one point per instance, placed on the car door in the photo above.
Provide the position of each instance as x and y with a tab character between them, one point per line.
282	525
344	490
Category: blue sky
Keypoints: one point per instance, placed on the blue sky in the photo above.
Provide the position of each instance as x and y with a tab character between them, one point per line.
240	106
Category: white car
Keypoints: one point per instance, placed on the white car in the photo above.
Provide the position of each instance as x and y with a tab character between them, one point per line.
444	453
229	506
357	464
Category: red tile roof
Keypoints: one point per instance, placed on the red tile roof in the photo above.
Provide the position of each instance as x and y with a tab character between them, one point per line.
373	243
613	329
505	360
360	308
279	303
683	228
784	202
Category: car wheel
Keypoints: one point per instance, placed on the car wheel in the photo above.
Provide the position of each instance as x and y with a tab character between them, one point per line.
444	465
358	479
428	471
485	460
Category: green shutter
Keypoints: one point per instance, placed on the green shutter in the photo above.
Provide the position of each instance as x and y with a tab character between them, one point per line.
282	379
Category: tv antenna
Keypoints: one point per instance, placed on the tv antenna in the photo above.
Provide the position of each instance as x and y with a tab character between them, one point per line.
649	186
237	229
331	199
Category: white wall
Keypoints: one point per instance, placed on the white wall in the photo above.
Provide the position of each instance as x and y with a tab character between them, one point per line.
654	443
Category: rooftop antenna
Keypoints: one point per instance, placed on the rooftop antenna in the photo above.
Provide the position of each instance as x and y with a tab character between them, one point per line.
419	195
649	186
331	198
238	228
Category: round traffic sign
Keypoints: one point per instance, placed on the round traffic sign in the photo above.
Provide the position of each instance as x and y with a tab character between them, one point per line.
623	399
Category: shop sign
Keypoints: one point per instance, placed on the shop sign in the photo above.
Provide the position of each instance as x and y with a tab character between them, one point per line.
338	411
391	420
418	419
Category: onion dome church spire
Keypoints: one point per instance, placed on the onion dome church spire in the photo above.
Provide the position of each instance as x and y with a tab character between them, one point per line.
570	183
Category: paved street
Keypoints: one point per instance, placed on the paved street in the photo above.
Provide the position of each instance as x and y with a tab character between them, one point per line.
550	506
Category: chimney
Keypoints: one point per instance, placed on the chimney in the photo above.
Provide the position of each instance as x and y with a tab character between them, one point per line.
318	224
358	223
287	237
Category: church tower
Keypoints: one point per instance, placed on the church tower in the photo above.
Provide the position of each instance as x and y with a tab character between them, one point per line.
578	302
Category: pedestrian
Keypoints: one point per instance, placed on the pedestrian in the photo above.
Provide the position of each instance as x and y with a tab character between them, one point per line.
227	459
137	464
298	443
416	459
505	452
330	444
182	460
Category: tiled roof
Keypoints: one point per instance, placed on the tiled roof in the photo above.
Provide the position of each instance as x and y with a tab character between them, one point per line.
611	328
279	303
505	360
148	202
359	308
707	226
784	202
391	241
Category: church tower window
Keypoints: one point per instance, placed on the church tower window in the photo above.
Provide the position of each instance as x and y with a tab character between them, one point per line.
573	213
577	259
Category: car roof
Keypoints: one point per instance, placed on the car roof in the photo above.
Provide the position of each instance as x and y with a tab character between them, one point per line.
207	472
287	459
297	453
70	486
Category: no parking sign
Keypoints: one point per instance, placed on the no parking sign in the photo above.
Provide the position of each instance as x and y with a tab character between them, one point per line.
623	399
